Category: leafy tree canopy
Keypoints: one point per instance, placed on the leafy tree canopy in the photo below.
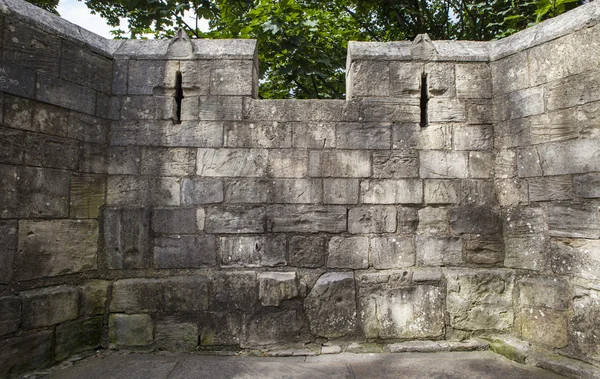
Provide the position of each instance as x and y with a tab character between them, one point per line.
302	43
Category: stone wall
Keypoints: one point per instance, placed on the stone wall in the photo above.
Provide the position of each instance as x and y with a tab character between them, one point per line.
149	200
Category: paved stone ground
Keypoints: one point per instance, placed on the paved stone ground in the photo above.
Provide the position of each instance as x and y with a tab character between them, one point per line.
447	365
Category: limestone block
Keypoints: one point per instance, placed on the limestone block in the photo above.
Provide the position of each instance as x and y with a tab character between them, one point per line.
287	164
234	290
441	109
407	220
249	191
176	333
374	219
443	164
583	335
308	251
573	90
232	77
433	221
145	75
165	191
276	286
479	111
514	132
49	119
348	252
394	165
248	251
506	164
480	300
87	194
93	158
232	162
235	219
49	306
8	248
369	78
313	135
130	330
544	292
306	218
389	191
473	80
217	108
18	113
476	137
300	110
10	314
219	328
26	353
331	305
440	79
13	145
441	191
82	66
511	192
391	309
392	252
186	133
483	250
413	136
481	164
58	247
340	163
201	191
295	191
127	238
31	47
93	297
550	159
544	326
510	74
140	108
168	162
340	191
587	185
65	94
363	136
86	128
78	336
438	251
49	151
390	110
22	81
550	188
185	251
478	192
577	257
120	74
127	191
570	219
521	103
263	329
258	134
475	220
527	252
195	74
405	78
524	221
555	126
174	220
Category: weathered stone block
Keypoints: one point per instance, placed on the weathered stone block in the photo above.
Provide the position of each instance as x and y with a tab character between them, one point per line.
407	220
58	247
433	221
127	191
587	185
480	300
544	292
287	164
405	78
544	326
185	251
348	252
234	290
306	218
21	82
220	328
441	191
300	110
188	134
506	164
308	251
400	191
86	128
439	251
340	191
263	329
390	110
276	286
402	164
549	159
511	192
331	305
233	77
26	353
87	194
369	78
65	94
145	75
13	145
31	47
186	294
319	135
528	252
510	74
165	191
232	162
130	330
140	108
92	158
78	336
49	306
168	162
522	103
374	219
49	119
295	191
195	74
410	136
175	333
258	134
235	219
217	108
82	66
252	251
249	191
390	308
10	314
574	90
392	252
363	136
473	137
443	164
483	250
577	257
8	248
475	220
127	238
577	220
174	220
94	295
583	335
18	113
481	165
550	188
473	80
440	79
479	111
441	109
340	163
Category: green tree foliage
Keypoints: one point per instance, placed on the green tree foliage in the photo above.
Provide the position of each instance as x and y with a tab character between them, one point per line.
302	43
